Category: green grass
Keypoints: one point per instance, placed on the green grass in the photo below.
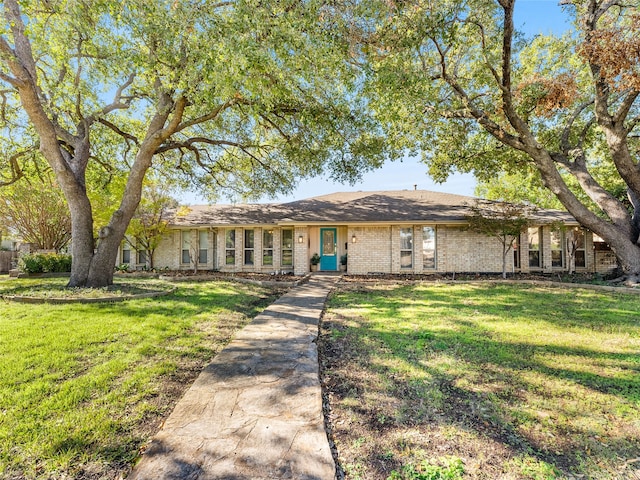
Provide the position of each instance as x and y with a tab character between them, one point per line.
82	387
518	382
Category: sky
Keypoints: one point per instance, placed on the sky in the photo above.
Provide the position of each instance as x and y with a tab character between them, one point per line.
532	17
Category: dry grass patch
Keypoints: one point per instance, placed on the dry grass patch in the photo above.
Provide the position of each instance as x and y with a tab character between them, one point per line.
433	381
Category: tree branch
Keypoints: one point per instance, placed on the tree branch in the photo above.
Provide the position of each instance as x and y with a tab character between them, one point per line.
116	104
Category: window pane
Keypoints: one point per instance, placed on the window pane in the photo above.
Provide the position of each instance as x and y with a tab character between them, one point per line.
185	256
405	259
248	239
287	257
142	256
230	257
428	247
267	257
230	238
580	258
248	257
534	239
406	239
267	239
556	240
578	236
556	258
186	239
534	258
126	256
202	256
287	238
328	242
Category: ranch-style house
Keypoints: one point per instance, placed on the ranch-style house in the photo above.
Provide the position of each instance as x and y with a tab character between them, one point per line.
409	231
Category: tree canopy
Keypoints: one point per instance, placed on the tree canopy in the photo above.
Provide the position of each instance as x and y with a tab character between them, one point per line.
455	80
238	97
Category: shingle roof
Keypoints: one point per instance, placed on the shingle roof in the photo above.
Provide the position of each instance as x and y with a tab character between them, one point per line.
403	206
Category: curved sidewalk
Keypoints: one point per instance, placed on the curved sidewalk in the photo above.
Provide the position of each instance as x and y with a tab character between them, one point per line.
255	412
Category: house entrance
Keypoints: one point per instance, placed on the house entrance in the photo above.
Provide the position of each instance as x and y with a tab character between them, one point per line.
328	249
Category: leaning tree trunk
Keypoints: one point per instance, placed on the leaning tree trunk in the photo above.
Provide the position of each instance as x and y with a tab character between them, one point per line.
82	243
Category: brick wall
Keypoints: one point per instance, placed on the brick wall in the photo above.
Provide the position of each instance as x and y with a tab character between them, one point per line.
370	252
376	249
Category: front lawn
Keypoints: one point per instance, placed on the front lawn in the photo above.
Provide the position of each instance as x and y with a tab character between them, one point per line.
83	387
434	381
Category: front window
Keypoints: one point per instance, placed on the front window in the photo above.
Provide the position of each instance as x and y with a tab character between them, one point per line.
556	248
126	253
406	248
267	247
230	247
534	247
186	247
287	247
580	250
142	257
249	243
428	247
203	246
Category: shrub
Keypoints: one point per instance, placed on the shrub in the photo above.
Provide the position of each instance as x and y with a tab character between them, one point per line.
44	263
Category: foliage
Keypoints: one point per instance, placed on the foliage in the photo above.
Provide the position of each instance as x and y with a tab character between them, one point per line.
489	374
82	387
344	259
238	99
455	80
36	211
501	220
122	268
44	263
453	470
149	224
315	259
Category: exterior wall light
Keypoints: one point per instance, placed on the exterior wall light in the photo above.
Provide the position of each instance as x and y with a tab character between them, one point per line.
353	239
300	239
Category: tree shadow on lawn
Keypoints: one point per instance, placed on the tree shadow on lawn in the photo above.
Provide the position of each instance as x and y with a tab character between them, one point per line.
187	301
502	376
113	453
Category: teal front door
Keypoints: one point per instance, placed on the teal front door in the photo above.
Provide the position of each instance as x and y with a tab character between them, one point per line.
328	249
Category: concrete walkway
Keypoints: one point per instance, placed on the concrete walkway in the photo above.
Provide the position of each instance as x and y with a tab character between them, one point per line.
256	411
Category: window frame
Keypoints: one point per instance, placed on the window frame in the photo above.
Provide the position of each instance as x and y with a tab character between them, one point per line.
204	250
230	246
556	247
284	248
249	252
582	232
126	247
408	232
266	241
434	249
141	257
185	239
538	250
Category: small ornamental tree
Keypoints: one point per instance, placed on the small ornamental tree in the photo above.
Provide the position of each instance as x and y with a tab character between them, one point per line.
502	220
35	210
149	223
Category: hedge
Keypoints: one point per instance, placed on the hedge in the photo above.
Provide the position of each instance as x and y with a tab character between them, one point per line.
44	263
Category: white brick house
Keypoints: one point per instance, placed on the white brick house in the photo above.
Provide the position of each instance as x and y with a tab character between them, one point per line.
410	231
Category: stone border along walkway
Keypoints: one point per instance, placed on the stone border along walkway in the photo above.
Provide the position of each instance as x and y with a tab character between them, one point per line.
255	412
